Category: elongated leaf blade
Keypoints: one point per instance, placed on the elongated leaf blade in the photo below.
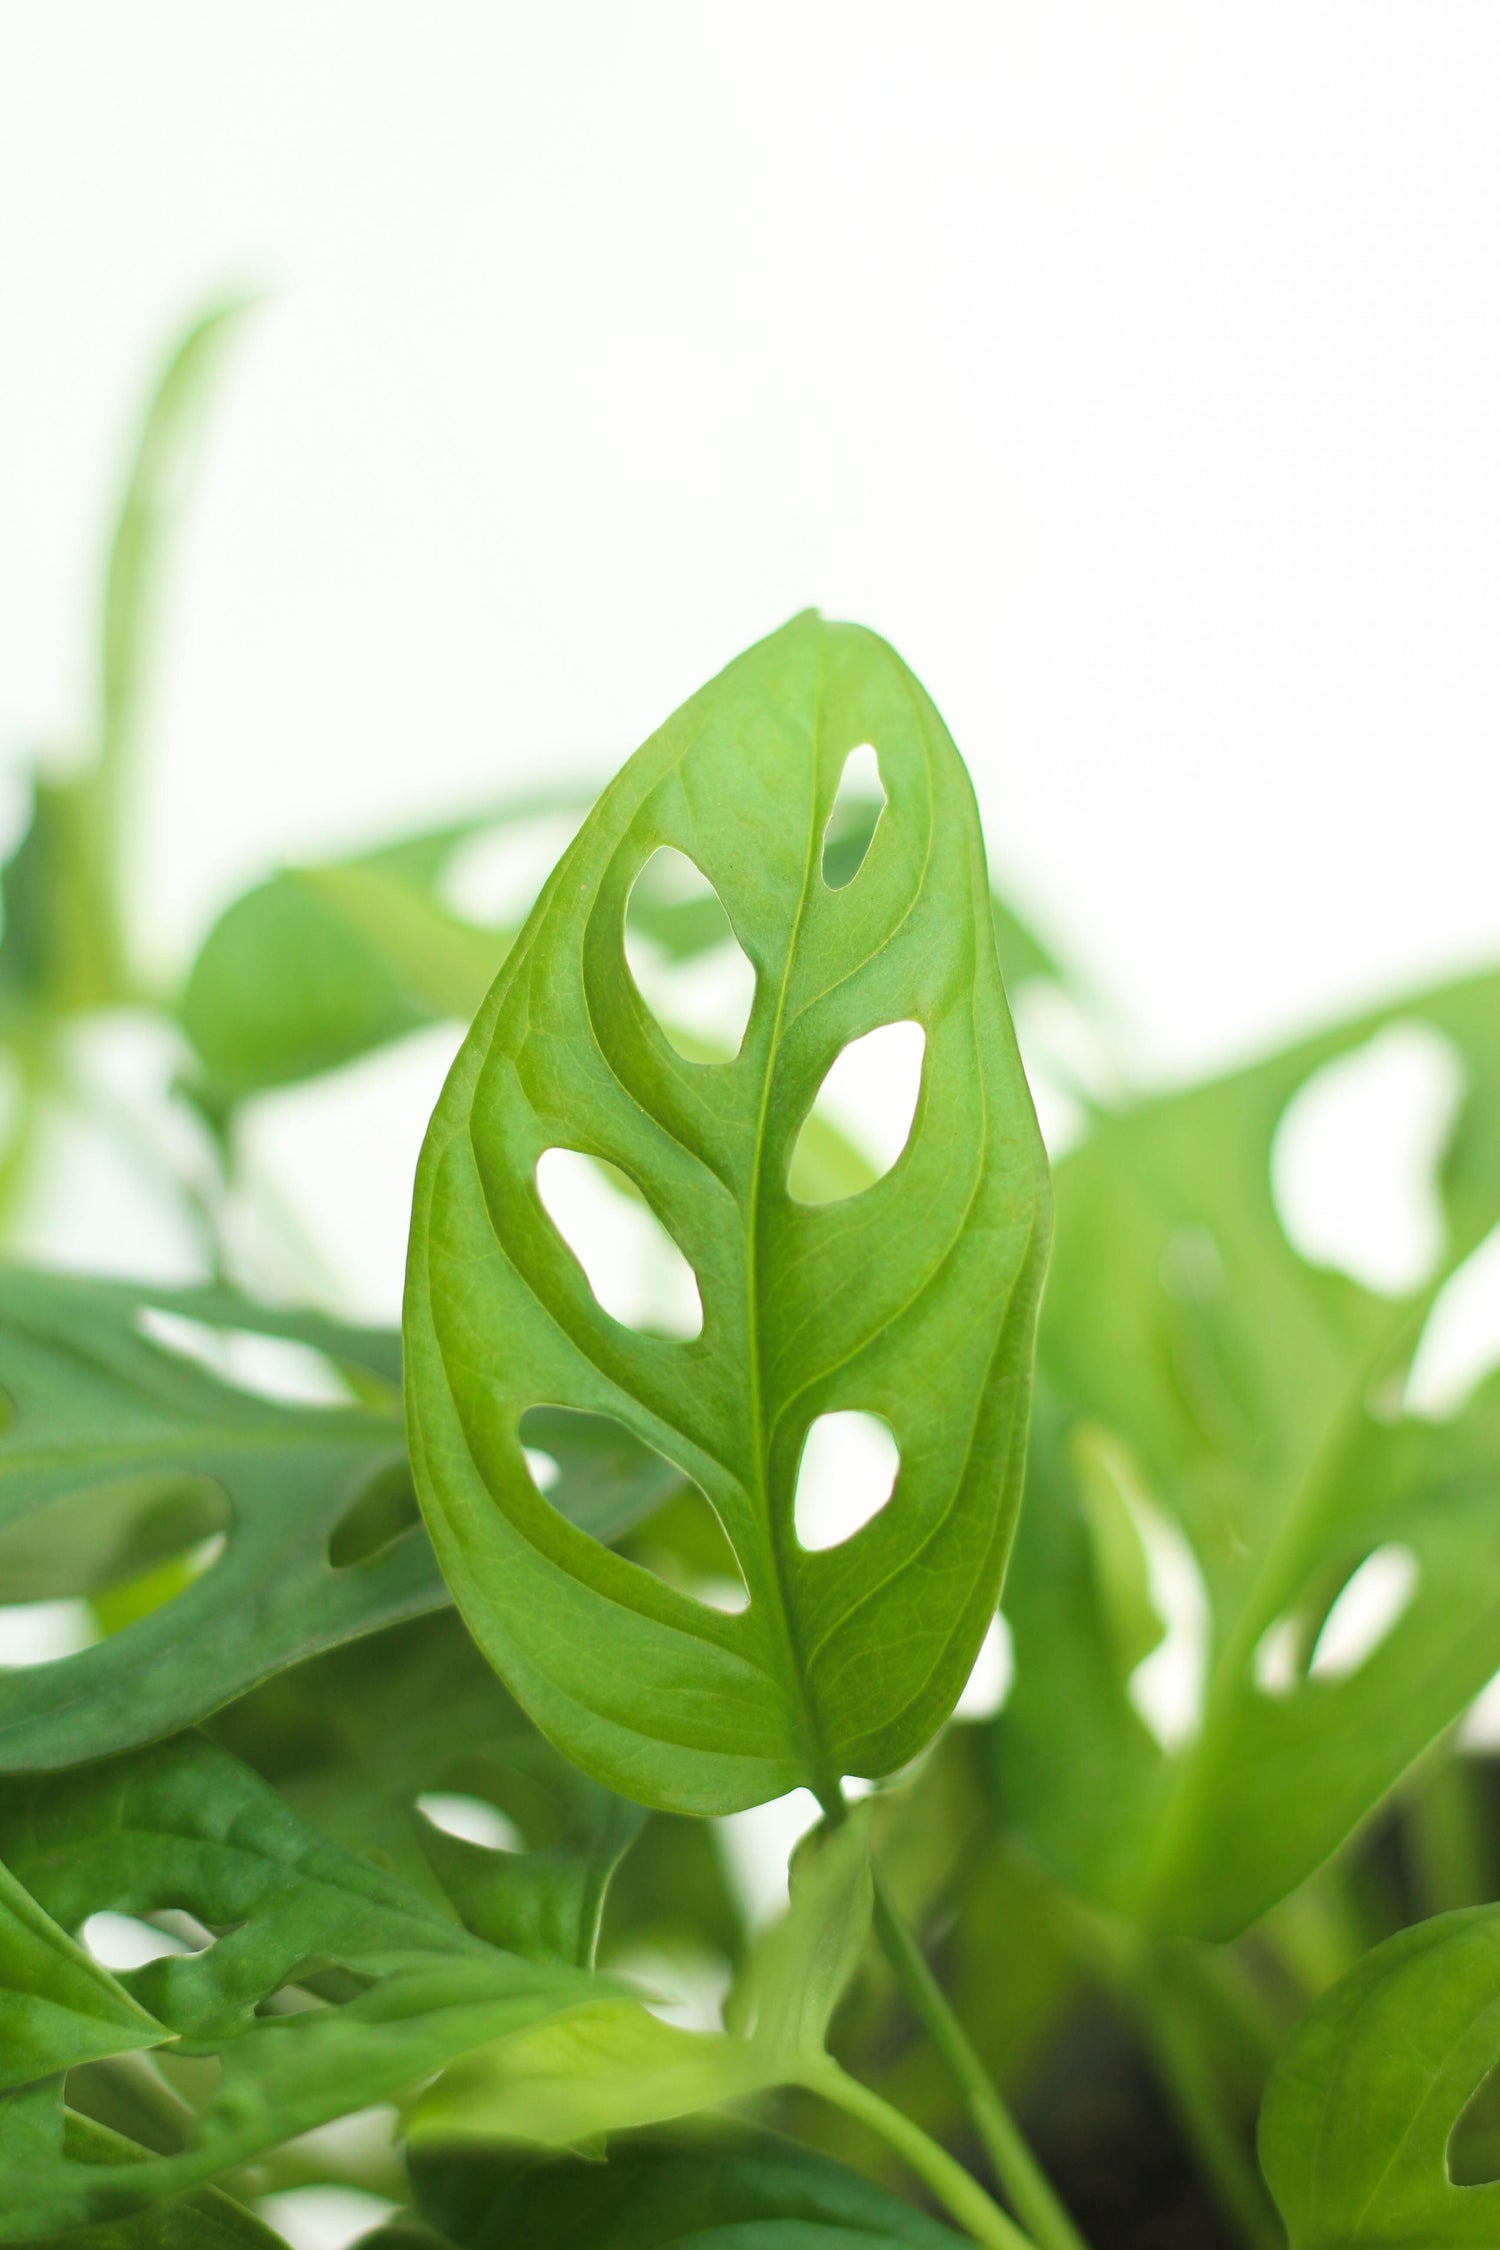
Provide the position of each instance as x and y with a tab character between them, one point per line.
914	1301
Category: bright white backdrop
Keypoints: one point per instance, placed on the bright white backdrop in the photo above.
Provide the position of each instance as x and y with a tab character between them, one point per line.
1134	369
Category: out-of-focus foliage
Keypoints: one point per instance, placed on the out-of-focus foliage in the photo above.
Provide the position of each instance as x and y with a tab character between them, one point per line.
278	1846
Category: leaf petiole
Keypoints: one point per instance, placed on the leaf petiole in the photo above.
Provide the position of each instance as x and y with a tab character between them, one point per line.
1017	2170
965	2200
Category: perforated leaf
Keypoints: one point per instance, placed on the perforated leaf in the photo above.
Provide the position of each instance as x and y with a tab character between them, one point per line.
392	1986
1360	2108
1254	1401
914	1300
118	1455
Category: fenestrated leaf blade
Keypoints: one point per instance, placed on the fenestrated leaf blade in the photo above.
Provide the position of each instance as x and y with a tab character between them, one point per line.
404	1987
915	1300
1362	2104
1257	1398
116	1453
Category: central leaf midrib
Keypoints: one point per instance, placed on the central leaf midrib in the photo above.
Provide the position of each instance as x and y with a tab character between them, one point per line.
825	1784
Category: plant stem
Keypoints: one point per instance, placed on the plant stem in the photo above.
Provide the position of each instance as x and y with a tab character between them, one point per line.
950	2183
1185	2077
1025	2184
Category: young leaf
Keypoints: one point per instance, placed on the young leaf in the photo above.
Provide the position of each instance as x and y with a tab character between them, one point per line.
725	2193
914	1300
617	2066
1256	1398
399	1988
1361	2105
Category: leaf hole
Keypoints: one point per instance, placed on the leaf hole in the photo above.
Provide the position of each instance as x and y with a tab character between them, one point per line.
1474	2143
868	1099
129	1941
1460	1341
1167	1686
384	1510
143	1538
1334	1633
634	1268
687	963
474	1820
625	1494
857	806
989	1684
1355	1158
270	1367
847	1473
45	1632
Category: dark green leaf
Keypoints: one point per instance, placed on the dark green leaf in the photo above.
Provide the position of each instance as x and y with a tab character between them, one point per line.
914	1300
119	1454
393	1988
740	2191
1361	2106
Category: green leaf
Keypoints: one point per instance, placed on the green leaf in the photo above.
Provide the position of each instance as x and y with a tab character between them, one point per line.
617	2066
914	1300
64	944
204	2221
387	1987
1363	2102
737	2191
119	1455
355	1738
1253	1401
319	965
57	2006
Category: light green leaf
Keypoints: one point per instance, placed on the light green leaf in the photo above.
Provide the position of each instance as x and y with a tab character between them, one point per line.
321	964
64	944
57	2006
1256	1399
1361	2106
914	1301
391	1986
616	2066
731	2192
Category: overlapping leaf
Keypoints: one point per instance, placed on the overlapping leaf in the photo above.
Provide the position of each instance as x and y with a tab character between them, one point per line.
118	1454
720	2194
914	1300
321	964
399	1987
1361	2107
1252	1399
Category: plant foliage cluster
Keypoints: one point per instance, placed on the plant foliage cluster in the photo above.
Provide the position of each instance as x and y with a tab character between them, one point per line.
392	1778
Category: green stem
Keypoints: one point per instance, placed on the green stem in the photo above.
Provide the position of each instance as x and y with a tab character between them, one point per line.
964	2198
1186	2078
1025	2184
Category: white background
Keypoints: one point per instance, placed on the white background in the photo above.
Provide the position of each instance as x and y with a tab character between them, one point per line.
1135	369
